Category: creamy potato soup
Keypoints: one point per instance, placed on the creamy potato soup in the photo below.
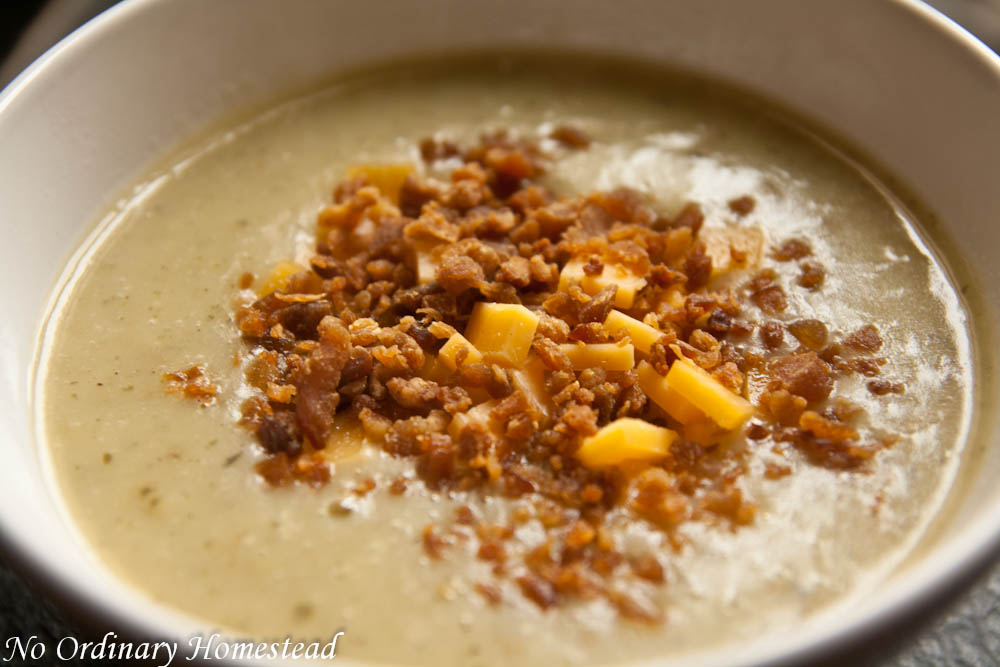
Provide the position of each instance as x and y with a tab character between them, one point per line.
717	381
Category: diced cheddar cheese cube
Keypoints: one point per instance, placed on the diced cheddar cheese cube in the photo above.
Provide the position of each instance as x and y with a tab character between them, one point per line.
732	247
434	369
660	392
625	439
388	178
346	439
502	332
278	278
449	352
704	433
628	283
530	379
425	262
708	394
643	335
675	297
609	356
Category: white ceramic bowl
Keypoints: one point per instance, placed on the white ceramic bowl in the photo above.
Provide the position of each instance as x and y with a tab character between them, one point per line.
920	96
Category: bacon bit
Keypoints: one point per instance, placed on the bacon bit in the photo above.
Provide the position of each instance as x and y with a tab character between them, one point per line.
883	387
730	503
491	550
364	487
398	486
490	592
804	375
246	280
192	383
772	334
648	567
637	609
742	205
569	136
865	339
580	535
792	249
812	276
465	516
537	590
433	543
280	470
281	393
593	267
812	334
821	427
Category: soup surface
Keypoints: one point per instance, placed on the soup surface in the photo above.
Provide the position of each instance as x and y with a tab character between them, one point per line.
165	491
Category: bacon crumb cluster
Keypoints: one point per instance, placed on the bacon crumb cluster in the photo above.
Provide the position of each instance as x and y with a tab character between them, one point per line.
192	383
577	355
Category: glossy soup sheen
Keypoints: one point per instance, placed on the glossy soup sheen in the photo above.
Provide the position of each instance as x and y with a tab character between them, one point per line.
163	489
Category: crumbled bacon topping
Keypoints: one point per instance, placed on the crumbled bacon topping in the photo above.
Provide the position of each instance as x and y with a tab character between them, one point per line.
394	278
192	383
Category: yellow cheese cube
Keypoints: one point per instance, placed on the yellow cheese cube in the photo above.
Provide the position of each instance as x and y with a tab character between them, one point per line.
625	439
704	433
346	439
609	356
675	297
448	354
732	247
665	396
643	335
628	283
708	394
278	278
434	369
425	261
502	332
388	178
530	379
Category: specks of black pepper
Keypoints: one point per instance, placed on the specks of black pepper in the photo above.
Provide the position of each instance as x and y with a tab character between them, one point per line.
964	288
213	442
74	395
100	384
230	460
145	491
128	387
106	458
302	611
242	222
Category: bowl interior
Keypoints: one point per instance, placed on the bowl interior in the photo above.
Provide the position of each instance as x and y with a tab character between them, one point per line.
93	113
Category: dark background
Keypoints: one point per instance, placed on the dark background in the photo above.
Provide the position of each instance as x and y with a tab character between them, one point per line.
965	633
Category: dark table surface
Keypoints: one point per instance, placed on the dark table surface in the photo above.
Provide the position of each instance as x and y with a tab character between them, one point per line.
965	633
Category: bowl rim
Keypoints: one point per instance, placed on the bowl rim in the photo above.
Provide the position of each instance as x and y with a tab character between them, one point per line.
959	561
